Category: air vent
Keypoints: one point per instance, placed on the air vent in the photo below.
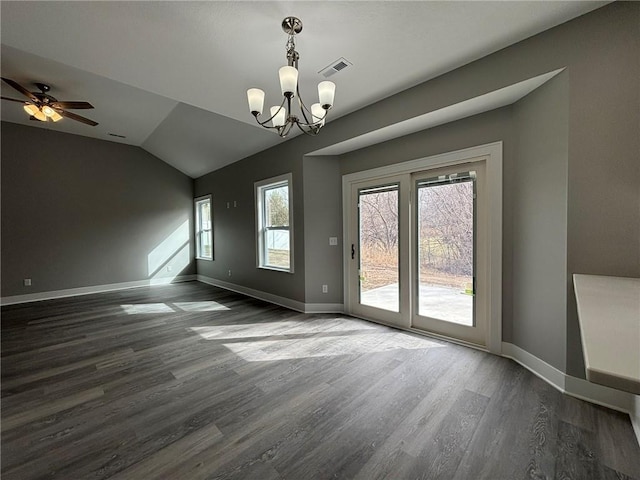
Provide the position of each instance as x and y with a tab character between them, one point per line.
335	67
116	135
339	66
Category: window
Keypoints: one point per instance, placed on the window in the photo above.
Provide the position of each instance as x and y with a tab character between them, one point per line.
274	223
204	236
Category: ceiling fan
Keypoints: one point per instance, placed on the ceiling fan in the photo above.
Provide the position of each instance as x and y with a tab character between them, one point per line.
42	106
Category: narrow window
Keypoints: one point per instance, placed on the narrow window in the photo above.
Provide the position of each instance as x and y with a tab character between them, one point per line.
274	223
204	236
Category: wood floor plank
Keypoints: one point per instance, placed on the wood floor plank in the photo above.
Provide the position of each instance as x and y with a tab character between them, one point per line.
611	431
106	413
254	436
18	380
576	444
155	465
189	381
50	408
441	457
505	430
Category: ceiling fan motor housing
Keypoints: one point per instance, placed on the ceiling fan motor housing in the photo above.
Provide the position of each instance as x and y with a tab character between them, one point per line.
42	87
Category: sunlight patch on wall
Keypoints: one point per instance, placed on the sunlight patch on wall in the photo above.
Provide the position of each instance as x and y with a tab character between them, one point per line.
273	350
173	267
159	258
270	329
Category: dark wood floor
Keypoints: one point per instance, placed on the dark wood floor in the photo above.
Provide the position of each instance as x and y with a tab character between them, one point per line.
191	382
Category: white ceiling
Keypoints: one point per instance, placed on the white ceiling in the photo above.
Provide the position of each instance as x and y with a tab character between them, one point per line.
172	76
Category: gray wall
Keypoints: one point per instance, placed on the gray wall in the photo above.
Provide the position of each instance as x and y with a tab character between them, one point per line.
598	97
234	228
538	196
79	212
322	219
604	153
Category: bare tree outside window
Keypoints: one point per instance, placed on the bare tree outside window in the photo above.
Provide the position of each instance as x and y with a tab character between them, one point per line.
378	239
274	223
277	224
445	236
445	228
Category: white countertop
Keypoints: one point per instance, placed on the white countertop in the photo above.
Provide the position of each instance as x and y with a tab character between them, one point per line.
609	316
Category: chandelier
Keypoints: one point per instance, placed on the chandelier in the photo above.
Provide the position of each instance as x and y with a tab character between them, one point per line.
282	119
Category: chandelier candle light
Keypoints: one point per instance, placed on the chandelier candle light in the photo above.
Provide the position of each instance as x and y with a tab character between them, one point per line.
282	118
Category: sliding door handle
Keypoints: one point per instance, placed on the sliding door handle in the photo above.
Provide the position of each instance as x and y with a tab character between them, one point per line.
353	251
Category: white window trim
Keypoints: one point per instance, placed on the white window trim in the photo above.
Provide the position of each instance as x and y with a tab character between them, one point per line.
196	201
258	188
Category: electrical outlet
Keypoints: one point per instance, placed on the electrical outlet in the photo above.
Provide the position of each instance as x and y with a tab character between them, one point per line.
333	240
325	288
27	282
229	272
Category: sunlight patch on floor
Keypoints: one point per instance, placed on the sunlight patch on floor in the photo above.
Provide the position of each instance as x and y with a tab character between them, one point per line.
147	308
173	307
273	350
200	306
270	329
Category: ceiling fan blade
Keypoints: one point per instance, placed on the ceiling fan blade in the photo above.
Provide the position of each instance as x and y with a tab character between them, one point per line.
14	100
77	118
21	89
72	105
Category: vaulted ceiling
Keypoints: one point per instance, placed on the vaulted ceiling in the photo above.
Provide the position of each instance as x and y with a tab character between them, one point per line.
171	77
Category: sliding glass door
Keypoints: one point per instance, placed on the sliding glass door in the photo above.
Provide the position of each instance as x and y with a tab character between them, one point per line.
378	238
377	262
446	245
418	248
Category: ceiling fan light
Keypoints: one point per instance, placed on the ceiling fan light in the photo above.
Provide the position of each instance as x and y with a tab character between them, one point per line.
48	111
278	116
255	96
318	114
288	80
31	109
40	116
56	117
326	93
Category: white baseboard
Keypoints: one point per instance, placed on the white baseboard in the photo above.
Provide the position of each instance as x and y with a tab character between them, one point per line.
594	393
276	299
323	308
578	387
250	292
72	292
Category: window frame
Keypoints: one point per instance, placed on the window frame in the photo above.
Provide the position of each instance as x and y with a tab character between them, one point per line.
260	188
198	226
